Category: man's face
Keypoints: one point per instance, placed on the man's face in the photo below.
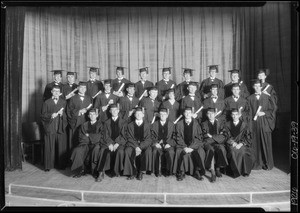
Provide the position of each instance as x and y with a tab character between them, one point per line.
211	115
187	76
130	90
93	116
139	115
163	116
114	112
212	73
236	91
93	75
214	91
235	116
143	75
57	77
119	73
261	76
70	79
171	95
192	88
166	75
153	94
235	77
82	89
107	87
55	92
187	114
257	87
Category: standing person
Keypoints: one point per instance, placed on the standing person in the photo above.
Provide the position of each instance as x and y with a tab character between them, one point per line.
238	144
104	100
69	86
151	105
165	84
214	144
90	135
54	121
119	81
171	105
163	144
57	76
76	113
189	155
182	88
138	155
215	101
109	155
143	85
235	79
235	101
128	103
267	88
262	123
206	84
93	86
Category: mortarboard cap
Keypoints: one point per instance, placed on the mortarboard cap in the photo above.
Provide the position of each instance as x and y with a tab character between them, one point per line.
152	88
82	83
139	108
55	72
264	70
188	70
214	86
94	69
236	85
211	109
120	68
256	81
56	87
188	108
163	109
130	85
94	110
166	69
170	90
234	110
72	73
193	83
107	81
234	71
212	67
144	69
113	106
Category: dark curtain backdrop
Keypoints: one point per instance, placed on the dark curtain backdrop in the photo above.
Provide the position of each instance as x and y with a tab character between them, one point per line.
73	38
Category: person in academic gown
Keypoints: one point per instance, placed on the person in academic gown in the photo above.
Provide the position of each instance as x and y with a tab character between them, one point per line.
189	157
57	76
142	86
90	135
163	144
214	144
128	103
206	84
151	105
69	86
54	121
238	143
119	81
235	101
172	105
93	86
77	108
262	124
235	79
165	84
109	154
267	88
104	100
138	154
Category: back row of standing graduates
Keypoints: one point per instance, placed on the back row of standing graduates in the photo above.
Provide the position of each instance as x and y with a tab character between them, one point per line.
207	126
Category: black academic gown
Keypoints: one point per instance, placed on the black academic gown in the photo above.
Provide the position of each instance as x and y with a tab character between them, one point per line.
195	160
219	105
82	154
244	93
74	105
230	104
241	160
100	101
47	92
92	88
126	105
55	146
140	87
103	158
162	87
133	164
187	101
116	84
205	87
68	88
174	109
215	146
169	152
150	108
182	91
262	129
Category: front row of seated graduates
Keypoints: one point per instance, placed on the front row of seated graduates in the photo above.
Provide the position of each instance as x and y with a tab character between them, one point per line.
130	129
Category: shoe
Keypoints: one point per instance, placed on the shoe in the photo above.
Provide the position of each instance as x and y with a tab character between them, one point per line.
47	170
117	175
246	175
158	174
131	177
198	176
140	176
100	177
213	178
218	173
81	173
179	176
265	167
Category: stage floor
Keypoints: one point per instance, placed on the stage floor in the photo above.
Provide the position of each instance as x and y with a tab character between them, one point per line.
169	191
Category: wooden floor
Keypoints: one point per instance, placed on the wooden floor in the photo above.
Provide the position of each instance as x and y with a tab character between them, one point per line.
258	181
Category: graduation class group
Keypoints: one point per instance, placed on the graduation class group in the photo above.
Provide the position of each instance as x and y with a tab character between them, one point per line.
115	127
